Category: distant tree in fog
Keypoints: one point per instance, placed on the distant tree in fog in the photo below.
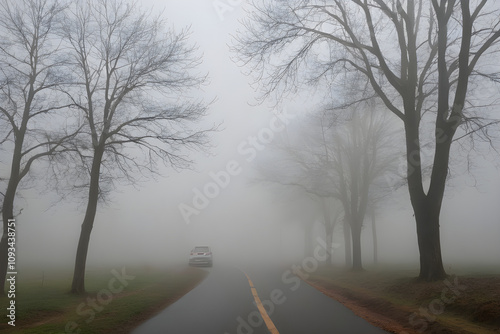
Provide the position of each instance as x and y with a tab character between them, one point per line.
421	58
336	161
287	169
332	216
360	152
133	80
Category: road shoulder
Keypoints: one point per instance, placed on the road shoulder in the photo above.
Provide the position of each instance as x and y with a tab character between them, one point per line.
398	303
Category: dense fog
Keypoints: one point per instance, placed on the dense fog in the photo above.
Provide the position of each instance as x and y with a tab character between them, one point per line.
224	202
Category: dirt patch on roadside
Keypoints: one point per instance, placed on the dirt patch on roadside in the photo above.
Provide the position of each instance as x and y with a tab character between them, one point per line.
459	305
376	311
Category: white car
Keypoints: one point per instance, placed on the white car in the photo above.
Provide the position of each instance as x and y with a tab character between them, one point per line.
201	255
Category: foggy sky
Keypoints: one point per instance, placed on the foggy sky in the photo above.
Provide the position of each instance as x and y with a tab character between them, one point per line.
245	220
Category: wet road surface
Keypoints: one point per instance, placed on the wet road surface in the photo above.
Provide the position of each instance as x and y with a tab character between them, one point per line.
225	303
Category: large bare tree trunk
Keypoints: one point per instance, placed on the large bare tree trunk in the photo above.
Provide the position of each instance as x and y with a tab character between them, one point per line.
8	204
347	244
429	244
374	234
329	226
3	258
356	247
427	207
7	213
427	218
78	285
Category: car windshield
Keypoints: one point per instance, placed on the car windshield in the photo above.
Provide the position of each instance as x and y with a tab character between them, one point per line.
201	249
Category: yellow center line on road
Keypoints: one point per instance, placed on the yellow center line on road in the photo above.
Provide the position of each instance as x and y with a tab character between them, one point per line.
269	323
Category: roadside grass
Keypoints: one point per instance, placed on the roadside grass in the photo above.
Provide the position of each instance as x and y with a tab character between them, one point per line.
50	308
396	301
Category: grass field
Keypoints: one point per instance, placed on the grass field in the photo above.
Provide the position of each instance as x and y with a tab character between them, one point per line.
396	301
117	299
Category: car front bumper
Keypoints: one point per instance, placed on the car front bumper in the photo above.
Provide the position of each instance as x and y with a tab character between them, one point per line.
200	261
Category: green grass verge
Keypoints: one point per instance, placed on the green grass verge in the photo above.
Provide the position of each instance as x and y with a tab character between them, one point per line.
111	305
413	306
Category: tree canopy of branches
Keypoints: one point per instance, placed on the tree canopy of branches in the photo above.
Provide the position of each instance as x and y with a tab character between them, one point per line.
419	57
132	80
32	114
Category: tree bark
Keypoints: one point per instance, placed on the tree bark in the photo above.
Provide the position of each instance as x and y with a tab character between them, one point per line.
78	284
427	217
374	234
347	244
7	213
329	225
429	244
427	207
8	202
329	249
356	247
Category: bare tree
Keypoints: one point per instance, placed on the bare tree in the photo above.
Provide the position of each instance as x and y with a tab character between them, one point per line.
133	79
337	160
359	156
333	215
288	168
373	217
32	112
419	58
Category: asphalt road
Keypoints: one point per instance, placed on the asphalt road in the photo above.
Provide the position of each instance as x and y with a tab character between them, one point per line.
224	303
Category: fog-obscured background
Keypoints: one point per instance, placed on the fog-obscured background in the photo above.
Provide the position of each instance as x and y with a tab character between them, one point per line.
248	220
